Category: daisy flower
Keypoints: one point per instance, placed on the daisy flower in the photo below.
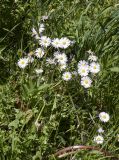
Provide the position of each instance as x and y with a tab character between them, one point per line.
56	43
56	54
50	61
100	130
94	67
39	71
23	62
39	53
61	58
41	28
30	59
82	63
83	71
104	117
63	66
66	76
37	37
99	139
34	32
45	41
44	17
64	43
90	52
92	58
86	82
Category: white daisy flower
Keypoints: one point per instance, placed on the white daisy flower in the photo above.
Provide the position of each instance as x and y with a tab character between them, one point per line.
64	43
56	54
23	62
90	52
37	37
44	17
45	41
92	58
83	71
34	32
39	53
41	28
61	58
63	66
104	117
30	59
99	139
100	130
94	67
66	76
39	71
82	63
50	61
86	82
56	42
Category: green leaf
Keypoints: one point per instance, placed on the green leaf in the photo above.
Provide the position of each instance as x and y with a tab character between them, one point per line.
114	69
14	123
44	86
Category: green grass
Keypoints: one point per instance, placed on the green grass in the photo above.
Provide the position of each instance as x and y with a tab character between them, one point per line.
67	112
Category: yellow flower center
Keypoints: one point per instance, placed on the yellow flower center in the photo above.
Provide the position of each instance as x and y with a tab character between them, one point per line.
40	53
22	62
67	76
98	139
61	58
94	67
86	81
64	42
83	71
45	41
31	53
104	116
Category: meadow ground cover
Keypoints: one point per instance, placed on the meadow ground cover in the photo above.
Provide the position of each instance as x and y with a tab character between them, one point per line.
59	80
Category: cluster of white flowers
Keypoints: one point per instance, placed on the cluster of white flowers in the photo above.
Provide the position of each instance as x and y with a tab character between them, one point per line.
45	42
59	57
104	117
23	62
61	43
87	67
